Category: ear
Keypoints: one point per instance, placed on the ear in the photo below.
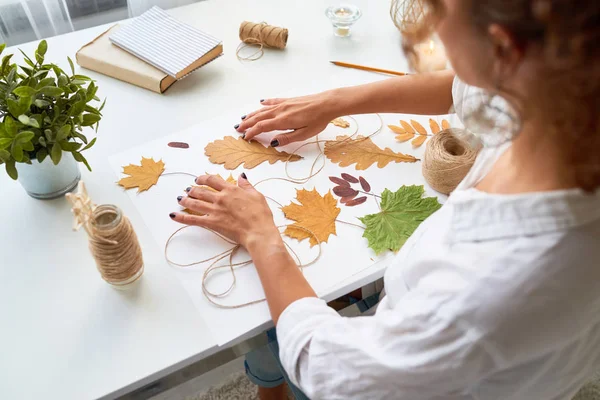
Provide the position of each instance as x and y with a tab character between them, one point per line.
505	47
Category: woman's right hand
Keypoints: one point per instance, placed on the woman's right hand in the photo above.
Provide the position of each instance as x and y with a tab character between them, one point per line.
304	117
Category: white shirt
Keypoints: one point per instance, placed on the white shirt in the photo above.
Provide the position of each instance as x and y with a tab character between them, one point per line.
493	297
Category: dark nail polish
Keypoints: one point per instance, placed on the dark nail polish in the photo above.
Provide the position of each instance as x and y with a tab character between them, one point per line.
236	126
243	136
261	100
244	175
172	215
275	143
188	189
179	198
243	117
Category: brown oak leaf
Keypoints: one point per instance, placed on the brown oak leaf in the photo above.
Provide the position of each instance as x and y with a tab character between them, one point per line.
315	213
232	152
341	122
142	176
362	152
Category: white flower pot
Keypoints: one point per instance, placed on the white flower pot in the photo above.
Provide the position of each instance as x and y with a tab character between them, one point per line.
48	181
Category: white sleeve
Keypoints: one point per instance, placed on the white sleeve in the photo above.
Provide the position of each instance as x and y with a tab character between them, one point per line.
409	352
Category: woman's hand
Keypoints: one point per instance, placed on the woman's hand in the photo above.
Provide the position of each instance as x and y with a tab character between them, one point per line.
304	116
239	213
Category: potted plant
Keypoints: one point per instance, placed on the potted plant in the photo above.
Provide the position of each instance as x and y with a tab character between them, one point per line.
43	111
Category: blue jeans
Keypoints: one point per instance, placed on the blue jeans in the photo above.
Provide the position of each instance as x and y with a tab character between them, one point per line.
263	367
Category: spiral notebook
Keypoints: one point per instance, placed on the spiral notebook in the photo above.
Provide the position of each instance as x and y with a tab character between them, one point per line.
171	46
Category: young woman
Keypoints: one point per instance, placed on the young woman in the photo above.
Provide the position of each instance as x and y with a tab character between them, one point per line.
496	295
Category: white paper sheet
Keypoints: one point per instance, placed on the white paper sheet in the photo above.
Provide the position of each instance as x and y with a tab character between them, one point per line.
344	255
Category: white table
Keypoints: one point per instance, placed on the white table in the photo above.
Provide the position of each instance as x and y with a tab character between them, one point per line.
65	333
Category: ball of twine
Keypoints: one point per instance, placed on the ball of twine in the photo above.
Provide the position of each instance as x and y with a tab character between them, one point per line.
262	35
447	160
114	246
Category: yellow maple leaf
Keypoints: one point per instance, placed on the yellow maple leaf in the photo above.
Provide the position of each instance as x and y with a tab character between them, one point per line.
362	152
232	152
230	179
315	213
435	127
445	124
142	176
341	122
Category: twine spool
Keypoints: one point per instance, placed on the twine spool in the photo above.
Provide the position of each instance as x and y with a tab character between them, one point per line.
447	160
112	240
262	35
115	247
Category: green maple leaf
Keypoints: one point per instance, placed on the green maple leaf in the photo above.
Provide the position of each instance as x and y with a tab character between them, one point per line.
401	213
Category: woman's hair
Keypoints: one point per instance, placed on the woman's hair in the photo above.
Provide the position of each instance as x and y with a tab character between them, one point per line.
566	34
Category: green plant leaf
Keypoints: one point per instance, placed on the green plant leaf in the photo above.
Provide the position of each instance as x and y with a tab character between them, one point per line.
81	77
39	58
24	136
79	136
11	169
91	91
42	141
401	213
91	109
13	107
29	121
90	119
41	103
80	158
63	133
10	78
70	146
71	65
10	126
51	91
50	81
24	91
41	74
102	105
62	80
28	146
49	135
56	153
93	142
5	64
28	71
41	155
42	47
4	155
5	142
17	152
2	47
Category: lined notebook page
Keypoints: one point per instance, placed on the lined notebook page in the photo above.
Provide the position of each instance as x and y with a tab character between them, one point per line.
163	41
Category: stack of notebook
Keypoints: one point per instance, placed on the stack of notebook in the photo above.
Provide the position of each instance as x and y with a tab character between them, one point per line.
153	51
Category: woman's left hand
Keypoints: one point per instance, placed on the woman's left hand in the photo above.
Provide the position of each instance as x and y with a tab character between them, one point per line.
239	213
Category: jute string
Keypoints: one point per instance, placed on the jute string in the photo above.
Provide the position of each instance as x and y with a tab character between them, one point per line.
261	35
447	160
112	240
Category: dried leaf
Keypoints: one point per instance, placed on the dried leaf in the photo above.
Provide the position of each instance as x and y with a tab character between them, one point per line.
349	178
179	145
434	126
362	152
407	127
445	124
344	191
418	127
339	181
315	213
142	176
397	129
233	152
344	200
356	201
364	184
401	213
419	140
405	137
341	122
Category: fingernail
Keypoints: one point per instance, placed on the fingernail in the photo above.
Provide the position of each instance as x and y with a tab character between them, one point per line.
274	143
236	126
244	176
243	117
179	198
188	189
261	100
243	136
172	215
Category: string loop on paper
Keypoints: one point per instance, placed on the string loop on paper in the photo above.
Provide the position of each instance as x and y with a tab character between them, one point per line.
261	35
112	240
447	160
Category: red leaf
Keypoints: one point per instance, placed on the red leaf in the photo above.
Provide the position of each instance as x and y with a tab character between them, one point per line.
344	191
339	181
179	145
349	178
346	199
356	201
365	185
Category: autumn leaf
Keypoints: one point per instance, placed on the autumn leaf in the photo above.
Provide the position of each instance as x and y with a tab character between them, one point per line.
407	127
349	178
233	152
356	202
362	152
396	129
414	128
418	127
315	213
401	213
434	126
364	184
419	140
230	179
445	124
341	122
344	191
405	137
339	181
142	176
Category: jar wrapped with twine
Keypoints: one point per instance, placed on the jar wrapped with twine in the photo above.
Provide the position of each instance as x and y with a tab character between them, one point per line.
112	240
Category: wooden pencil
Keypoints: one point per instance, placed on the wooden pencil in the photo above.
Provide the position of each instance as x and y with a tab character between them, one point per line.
364	68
